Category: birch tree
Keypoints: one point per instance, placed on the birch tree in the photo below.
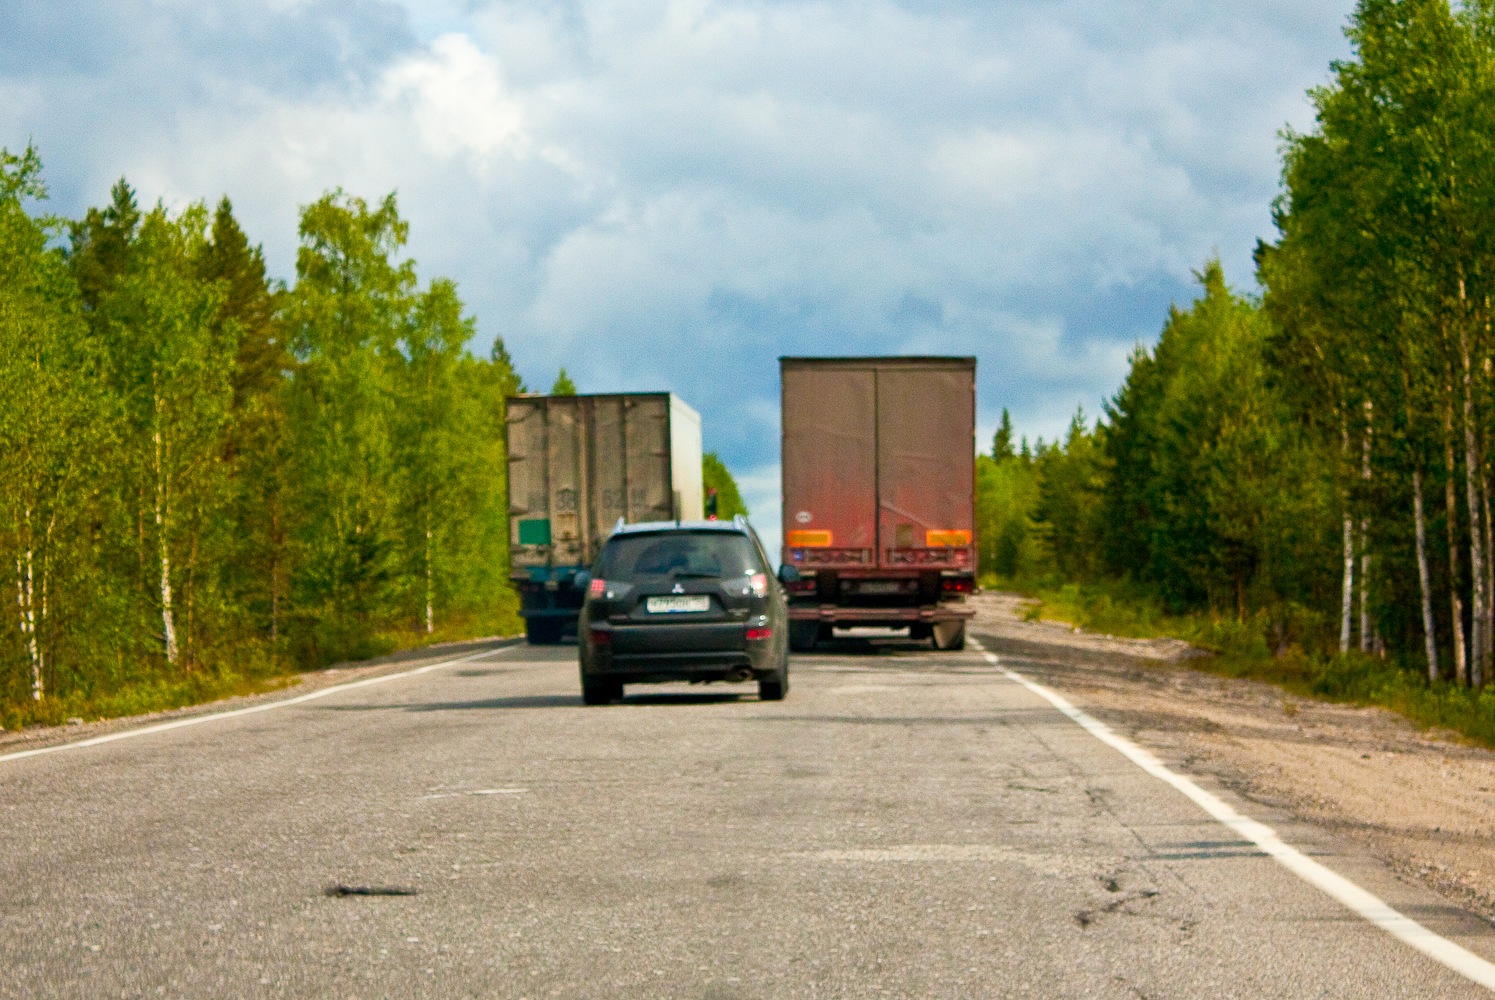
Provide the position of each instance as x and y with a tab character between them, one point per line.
173	366
50	426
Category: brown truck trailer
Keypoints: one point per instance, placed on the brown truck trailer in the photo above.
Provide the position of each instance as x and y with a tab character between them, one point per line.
879	483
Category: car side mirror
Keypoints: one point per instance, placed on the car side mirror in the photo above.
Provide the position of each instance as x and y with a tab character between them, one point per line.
582	580
788	574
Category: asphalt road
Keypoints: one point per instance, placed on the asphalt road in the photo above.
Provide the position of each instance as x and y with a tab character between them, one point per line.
905	824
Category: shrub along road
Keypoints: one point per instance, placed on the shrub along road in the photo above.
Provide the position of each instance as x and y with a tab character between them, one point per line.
905	824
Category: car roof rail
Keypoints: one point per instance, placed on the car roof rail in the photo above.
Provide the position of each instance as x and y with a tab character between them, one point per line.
618	527
739	520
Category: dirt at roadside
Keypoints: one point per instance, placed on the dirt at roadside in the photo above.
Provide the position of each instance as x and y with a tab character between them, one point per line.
12	741
1422	801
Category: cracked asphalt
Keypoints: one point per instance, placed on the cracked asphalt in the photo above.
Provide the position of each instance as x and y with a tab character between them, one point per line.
905	824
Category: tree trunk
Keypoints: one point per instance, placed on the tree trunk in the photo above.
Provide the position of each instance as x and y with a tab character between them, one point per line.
1366	644
163	517
430	582
1455	581
1365	627
1429	638
1347	594
274	572
26	599
1479	598
1347	599
1489	576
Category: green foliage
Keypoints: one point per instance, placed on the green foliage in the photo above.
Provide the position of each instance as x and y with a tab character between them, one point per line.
206	478
563	385
1006	500
1211	483
715	476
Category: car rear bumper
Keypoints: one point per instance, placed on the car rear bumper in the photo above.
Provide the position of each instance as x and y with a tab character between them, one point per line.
660	668
698	652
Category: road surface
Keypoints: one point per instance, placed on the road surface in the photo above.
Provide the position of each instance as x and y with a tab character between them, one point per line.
905	824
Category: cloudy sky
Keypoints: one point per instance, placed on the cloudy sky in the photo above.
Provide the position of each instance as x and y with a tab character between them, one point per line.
669	194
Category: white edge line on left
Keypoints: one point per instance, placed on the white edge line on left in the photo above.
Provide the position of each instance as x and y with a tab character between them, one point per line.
300	699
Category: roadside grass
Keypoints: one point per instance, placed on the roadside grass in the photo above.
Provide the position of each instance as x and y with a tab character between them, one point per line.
258	671
1281	646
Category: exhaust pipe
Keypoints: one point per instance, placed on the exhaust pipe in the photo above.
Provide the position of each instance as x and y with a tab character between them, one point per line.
740	674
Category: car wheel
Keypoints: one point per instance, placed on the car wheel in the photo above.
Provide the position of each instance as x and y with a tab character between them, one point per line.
950	636
774	688
597	691
802	636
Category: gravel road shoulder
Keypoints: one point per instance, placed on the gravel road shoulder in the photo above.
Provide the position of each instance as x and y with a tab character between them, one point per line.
32	737
1422	801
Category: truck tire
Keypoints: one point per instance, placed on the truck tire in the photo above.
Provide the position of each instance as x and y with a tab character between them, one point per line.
802	636
949	636
543	631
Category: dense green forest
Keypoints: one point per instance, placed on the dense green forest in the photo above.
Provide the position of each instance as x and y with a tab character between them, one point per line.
207	477
1312	463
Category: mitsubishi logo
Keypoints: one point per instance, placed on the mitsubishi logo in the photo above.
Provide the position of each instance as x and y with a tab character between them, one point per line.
678	589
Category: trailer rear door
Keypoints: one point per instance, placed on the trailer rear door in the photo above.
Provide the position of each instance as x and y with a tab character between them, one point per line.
926	457
829	464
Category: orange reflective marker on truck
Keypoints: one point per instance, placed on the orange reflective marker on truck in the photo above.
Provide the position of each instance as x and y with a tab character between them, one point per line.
879	466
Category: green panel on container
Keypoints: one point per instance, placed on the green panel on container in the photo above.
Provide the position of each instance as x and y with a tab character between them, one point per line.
535	531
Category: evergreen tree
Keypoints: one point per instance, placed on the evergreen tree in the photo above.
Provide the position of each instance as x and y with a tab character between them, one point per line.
1001	445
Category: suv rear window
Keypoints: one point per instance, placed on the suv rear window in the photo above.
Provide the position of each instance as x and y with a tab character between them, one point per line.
677	554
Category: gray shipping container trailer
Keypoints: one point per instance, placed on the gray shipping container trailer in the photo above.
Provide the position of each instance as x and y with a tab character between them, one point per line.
879	490
576	465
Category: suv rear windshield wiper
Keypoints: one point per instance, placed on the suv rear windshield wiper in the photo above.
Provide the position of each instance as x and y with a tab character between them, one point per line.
679	574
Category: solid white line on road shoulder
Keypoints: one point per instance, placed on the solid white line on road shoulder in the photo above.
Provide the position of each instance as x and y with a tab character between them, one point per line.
1362	903
195	720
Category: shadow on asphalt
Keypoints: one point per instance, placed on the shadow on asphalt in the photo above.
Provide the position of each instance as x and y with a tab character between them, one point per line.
703	698
540	701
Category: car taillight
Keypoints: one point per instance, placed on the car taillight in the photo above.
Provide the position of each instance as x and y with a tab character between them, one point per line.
759	634
758	584
597	587
601	637
957	585
803	586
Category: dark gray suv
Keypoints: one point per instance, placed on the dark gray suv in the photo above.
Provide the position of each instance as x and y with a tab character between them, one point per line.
682	601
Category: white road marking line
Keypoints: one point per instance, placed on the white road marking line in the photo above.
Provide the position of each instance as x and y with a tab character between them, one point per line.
1360	902
162	727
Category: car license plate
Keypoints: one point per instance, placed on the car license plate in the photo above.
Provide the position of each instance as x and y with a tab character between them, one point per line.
676	605
881	587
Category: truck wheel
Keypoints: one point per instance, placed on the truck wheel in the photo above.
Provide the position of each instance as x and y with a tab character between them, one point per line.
920	630
802	636
543	631
597	691
950	636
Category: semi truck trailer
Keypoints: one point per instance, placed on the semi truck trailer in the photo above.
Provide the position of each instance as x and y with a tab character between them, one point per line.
879	466
578	465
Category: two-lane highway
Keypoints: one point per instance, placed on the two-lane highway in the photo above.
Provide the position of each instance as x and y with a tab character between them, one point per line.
906	824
